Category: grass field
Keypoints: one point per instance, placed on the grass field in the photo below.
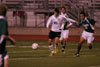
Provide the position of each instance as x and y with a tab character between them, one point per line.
22	55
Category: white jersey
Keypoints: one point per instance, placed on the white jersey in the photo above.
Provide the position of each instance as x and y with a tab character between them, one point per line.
66	19
64	14
54	23
57	23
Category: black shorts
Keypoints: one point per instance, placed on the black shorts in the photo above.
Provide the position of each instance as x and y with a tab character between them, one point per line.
53	35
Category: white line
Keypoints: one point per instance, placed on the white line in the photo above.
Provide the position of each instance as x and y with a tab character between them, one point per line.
25	58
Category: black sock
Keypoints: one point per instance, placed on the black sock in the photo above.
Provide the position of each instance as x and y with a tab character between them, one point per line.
61	43
90	47
63	47
78	49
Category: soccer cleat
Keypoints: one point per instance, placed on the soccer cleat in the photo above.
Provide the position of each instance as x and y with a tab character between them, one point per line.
51	54
63	51
56	50
77	55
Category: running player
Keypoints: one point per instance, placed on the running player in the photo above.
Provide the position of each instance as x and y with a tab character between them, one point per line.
54	22
65	30
54	25
88	33
3	36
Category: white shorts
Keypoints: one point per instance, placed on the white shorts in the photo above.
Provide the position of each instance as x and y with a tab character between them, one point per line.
64	34
88	36
2	59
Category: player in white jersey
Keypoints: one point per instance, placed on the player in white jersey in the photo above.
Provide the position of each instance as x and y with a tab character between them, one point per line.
65	29
54	25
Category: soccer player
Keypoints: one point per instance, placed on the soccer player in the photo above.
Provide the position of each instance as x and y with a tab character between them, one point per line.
65	31
54	25
65	28
88	33
3	36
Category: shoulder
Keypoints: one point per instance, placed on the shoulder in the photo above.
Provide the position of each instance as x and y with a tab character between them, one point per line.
91	19
51	17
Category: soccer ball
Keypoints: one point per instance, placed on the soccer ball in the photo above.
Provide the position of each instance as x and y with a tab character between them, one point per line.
34	46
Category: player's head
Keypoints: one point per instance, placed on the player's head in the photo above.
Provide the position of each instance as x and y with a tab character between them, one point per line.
56	12
63	10
3	9
82	15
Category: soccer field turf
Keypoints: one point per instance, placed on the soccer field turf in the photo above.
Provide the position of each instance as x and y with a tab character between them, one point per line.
22	55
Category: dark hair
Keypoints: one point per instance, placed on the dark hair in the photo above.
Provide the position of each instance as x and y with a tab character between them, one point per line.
57	10
63	7
3	9
82	12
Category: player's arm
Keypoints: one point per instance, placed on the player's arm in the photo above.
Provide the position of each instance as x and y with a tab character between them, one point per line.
94	30
70	24
78	26
49	23
71	21
68	19
12	40
93	22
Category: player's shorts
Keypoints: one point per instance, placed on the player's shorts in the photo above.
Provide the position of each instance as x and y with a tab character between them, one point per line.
88	36
53	35
2	58
64	34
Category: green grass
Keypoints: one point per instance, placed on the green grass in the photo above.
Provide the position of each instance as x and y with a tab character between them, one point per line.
21	56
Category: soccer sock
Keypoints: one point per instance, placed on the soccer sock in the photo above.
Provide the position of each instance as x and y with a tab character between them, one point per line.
56	45
90	47
78	49
61	43
51	48
63	47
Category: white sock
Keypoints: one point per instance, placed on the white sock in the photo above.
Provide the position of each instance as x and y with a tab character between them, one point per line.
51	48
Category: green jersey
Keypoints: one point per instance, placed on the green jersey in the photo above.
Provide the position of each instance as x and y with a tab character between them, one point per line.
3	31
88	24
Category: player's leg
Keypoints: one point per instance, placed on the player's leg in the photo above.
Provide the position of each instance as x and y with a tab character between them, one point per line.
64	45
89	42
56	40
6	61
51	47
1	62
61	38
65	37
51	37
79	46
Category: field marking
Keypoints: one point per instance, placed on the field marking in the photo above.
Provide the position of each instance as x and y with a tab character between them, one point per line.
93	66
40	57
20	51
25	58
9	46
45	47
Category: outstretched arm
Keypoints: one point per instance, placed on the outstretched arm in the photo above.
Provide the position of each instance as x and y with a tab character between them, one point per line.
48	23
